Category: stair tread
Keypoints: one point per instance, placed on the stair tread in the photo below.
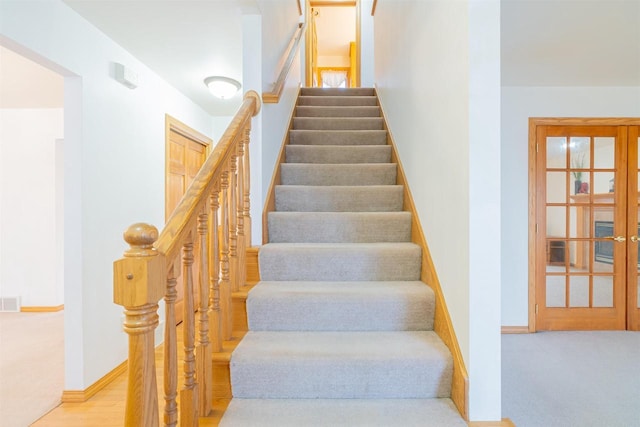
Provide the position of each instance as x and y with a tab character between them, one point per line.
355	306
338	123
330	345
329	227
360	91
337	111
340	261
338	100
337	137
338	174
345	198
339	246
341	154
341	413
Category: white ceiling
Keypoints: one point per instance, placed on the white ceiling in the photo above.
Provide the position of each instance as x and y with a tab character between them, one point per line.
570	42
543	42
183	41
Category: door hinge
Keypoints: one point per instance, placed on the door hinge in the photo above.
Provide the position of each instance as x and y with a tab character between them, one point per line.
536	228
536	308
536	148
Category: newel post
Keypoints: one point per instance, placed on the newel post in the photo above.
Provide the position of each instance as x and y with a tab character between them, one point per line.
138	286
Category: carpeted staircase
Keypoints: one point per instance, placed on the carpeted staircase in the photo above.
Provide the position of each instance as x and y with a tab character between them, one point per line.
340	326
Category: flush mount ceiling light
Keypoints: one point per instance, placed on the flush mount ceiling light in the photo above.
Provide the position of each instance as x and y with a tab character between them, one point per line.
222	87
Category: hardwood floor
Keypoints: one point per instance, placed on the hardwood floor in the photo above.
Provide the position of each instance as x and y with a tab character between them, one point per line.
106	408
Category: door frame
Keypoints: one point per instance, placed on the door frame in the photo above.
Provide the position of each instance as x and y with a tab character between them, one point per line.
310	28
175	125
534	122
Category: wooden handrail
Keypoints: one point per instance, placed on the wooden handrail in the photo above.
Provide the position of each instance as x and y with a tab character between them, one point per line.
273	97
157	263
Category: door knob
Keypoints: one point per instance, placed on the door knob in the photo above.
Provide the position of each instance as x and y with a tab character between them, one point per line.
616	238
634	239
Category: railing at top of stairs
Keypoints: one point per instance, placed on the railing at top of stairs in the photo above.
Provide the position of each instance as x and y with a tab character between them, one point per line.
218	198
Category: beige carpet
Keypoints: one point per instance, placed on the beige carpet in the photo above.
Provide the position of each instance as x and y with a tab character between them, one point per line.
31	366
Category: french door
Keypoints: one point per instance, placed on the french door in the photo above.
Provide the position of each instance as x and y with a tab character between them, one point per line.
586	226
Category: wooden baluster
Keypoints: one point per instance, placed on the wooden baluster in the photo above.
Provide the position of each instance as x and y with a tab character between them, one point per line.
233	224
189	393
247	187
170	353
225	289
138	279
215	329
204	371
242	244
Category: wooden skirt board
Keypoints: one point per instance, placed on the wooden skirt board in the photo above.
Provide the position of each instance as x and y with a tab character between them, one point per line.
584	226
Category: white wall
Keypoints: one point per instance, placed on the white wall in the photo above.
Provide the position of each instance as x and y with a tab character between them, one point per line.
28	205
437	73
279	21
334	61
366	44
114	167
252	77
518	104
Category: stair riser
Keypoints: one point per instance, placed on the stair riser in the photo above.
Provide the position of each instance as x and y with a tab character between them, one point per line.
316	91
354	306
338	155
354	263
361	137
316	123
387	198
325	111
314	227
331	412
362	379
338	101
310	174
341	365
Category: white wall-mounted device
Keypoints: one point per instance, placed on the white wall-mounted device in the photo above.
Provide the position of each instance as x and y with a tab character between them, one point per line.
126	76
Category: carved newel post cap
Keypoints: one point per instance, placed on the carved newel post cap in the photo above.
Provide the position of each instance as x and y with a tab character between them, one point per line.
253	94
141	237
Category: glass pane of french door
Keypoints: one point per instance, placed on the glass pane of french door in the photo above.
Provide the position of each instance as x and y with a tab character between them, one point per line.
582	231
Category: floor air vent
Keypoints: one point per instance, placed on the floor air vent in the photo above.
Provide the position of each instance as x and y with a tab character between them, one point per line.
10	304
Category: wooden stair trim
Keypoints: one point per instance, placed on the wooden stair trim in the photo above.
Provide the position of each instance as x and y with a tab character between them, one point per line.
41	309
79	396
505	422
239	308
442	321
253	271
221	372
515	330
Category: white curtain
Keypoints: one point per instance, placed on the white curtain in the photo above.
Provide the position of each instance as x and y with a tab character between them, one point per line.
334	78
